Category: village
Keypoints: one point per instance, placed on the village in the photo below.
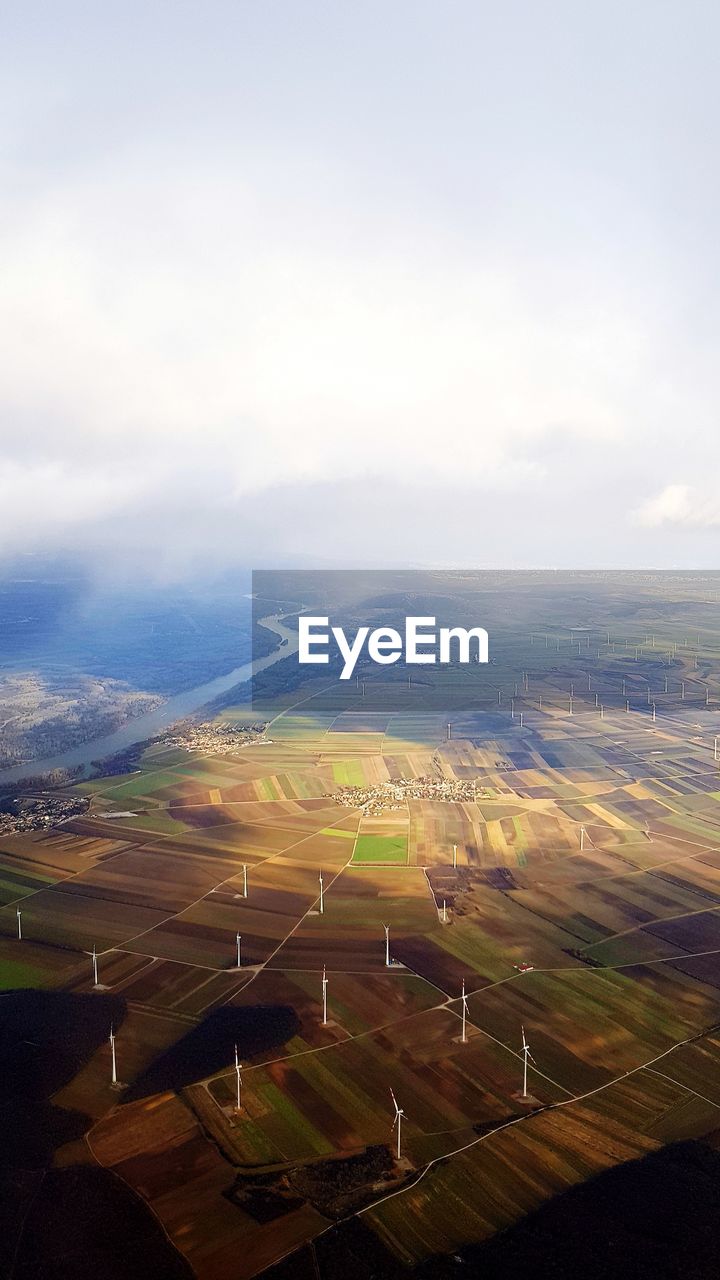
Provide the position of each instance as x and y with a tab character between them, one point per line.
382	796
40	811
218	739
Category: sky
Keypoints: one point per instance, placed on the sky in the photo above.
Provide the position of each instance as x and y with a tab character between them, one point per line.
342	284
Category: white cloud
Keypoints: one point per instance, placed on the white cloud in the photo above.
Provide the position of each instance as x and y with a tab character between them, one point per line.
139	316
163	322
38	500
679	504
263	260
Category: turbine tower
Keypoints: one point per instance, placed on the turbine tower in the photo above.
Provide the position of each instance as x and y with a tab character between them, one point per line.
238	1078
526	1054
113	1077
464	1013
399	1113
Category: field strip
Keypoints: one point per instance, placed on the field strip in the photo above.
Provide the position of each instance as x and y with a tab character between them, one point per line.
227	879
148	773
158	838
517	1055
192	964
301	702
634	964
386	1026
231	804
21	1225
210	826
643	928
686	1087
303	917
146	1202
431	892
74	874
552	1106
634	870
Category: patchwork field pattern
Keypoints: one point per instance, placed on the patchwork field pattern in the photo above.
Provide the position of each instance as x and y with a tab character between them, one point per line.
564	872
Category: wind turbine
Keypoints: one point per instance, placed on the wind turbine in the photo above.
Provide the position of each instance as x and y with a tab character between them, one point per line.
94	961
582	839
526	1054
113	1077
238	1065
244	880
18	913
464	1012
238	940
399	1113
386	927
324	997
444	915
322	904
454	862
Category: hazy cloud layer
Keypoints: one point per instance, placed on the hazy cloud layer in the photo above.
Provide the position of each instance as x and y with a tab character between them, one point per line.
265	266
680	504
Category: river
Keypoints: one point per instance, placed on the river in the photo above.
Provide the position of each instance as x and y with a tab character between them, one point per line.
152	723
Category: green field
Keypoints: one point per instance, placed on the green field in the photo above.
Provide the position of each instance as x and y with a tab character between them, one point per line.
387	849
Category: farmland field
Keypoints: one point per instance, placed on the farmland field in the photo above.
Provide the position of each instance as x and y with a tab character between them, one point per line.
365	866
